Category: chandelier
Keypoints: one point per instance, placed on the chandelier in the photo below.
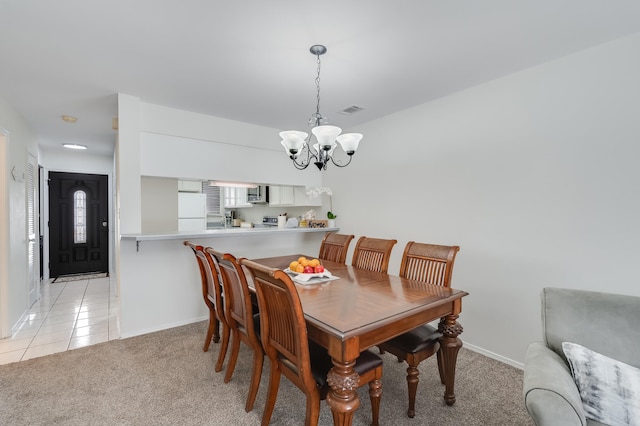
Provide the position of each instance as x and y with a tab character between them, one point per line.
302	151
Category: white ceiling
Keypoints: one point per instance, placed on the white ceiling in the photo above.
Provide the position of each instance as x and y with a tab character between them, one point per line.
249	60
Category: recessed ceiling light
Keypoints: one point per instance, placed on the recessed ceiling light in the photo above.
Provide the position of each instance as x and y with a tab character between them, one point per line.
69	119
74	146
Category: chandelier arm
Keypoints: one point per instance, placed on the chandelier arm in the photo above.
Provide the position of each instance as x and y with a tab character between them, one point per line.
305	162
341	165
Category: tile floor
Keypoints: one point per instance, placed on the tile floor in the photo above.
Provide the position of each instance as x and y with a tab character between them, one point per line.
69	315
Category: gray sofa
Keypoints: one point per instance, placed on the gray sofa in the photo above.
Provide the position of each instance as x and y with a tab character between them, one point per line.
605	323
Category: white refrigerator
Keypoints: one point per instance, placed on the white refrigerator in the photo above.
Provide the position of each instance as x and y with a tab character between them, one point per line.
192	211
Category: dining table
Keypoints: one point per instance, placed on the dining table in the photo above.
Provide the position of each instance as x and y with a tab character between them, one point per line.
355	309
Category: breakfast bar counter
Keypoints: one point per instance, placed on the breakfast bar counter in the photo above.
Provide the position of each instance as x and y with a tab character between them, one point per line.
225	232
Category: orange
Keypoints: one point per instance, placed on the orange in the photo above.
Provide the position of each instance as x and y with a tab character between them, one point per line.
300	268
314	262
301	259
293	266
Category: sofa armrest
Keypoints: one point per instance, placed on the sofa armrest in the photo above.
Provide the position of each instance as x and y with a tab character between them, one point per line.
550	394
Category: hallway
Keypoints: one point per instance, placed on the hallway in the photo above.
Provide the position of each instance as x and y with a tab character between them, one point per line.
69	315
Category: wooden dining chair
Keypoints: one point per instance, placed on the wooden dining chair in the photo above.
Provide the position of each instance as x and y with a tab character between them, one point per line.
334	247
212	295
431	264
241	319
303	362
372	254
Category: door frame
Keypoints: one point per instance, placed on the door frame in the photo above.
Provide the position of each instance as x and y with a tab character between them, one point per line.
44	197
5	327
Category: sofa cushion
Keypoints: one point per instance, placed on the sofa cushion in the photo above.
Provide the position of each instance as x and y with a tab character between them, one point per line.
606	323
609	389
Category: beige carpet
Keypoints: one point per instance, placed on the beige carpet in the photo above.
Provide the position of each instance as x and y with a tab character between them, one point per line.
164	378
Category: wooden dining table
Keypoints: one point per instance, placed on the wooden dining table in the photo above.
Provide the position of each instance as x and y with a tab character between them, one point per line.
361	309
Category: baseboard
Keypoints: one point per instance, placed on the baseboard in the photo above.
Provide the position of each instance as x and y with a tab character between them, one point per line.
163	327
518	365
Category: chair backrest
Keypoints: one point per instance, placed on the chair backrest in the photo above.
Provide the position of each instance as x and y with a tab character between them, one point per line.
373	254
211	290
334	247
429	263
237	307
283	329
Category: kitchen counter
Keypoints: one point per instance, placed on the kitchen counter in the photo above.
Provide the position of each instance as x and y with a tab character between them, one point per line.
223	232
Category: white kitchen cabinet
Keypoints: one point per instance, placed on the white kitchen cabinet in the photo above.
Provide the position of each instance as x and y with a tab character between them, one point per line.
189	186
235	197
281	196
192	212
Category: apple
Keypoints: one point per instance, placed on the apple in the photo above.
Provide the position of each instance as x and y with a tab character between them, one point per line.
318	269
308	270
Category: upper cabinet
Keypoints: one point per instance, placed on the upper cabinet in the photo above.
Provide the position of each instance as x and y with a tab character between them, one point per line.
189	186
234	197
291	196
281	196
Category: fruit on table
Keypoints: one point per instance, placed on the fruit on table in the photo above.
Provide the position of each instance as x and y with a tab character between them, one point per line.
305	266
318	269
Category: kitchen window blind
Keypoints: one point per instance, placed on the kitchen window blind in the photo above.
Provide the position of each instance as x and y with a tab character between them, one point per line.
213	198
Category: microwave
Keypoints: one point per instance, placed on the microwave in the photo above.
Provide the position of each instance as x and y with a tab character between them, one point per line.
258	195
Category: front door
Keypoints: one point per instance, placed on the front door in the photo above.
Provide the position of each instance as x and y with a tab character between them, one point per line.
78	223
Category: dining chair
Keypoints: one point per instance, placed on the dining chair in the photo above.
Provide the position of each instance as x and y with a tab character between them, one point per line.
334	247
431	264
241	319
304	362
372	254
212	295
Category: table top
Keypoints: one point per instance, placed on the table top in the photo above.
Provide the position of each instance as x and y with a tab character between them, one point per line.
363	302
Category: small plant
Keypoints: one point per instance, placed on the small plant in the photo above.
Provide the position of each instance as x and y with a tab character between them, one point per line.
330	215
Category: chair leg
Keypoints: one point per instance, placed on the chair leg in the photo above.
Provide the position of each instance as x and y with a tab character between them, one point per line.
233	358
440	365
213	324
272	394
216	330
412	385
226	332
375	392
258	357
313	409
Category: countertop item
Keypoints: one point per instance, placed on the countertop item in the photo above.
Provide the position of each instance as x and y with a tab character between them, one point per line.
292	222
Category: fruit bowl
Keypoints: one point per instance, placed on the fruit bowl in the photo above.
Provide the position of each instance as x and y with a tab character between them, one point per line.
303	278
325	273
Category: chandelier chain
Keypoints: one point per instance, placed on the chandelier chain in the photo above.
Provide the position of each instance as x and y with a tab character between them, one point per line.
318	92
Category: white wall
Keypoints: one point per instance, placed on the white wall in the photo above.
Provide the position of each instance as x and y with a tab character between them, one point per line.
213	148
18	141
161	142
534	175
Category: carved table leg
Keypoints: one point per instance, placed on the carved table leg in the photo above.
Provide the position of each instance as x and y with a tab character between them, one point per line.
449	347
343	398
